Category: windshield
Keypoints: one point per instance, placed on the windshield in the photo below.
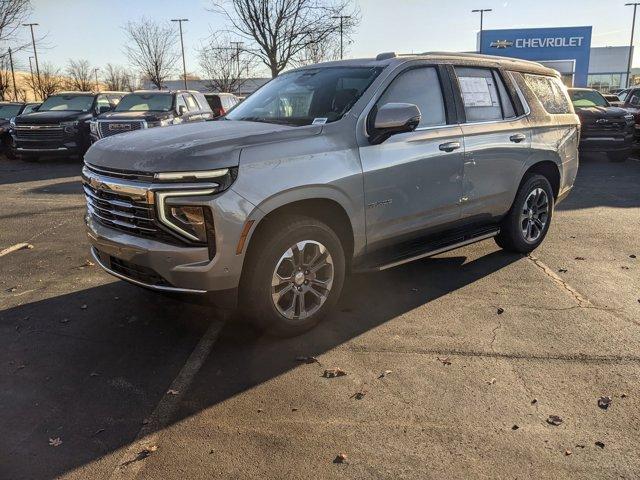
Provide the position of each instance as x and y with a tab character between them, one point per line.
587	98
79	103
8	111
140	102
318	95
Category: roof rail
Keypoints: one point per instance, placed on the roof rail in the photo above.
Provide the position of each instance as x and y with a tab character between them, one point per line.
385	56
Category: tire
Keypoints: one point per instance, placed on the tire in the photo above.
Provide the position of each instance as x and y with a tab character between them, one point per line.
523	214
281	313
7	150
619	156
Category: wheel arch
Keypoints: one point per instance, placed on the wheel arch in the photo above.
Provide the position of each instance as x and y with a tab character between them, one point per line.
548	169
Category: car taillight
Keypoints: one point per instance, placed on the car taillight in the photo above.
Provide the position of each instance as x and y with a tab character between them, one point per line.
219	111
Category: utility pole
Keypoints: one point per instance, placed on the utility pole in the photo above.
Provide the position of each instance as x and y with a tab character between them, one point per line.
342	18
237	46
184	64
633	26
35	53
481	12
95	70
13	75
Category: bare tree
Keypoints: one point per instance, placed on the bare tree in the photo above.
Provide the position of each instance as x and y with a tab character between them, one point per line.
316	51
80	76
225	66
283	29
151	49
51	81
6	81
115	78
12	14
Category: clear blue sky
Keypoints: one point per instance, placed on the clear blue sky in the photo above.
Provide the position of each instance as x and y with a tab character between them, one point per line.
91	28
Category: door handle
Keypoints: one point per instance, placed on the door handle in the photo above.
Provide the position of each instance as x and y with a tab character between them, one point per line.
449	146
518	137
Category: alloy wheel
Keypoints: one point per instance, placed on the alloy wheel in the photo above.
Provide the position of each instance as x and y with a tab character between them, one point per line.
534	215
302	280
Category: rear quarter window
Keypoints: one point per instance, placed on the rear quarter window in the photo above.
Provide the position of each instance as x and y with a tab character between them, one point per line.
550	92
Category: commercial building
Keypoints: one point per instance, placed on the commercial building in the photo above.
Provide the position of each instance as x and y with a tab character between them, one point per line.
567	50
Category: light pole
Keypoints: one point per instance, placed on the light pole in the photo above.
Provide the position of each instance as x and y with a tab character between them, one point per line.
342	18
13	75
95	71
481	12
633	26
35	53
184	64
237	46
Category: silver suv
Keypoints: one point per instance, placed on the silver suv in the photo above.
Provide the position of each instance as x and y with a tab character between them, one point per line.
344	166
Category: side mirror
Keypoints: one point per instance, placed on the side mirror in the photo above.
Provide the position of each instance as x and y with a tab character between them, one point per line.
103	109
394	118
36	108
182	110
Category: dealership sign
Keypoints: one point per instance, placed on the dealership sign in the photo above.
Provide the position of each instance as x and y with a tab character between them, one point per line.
540	44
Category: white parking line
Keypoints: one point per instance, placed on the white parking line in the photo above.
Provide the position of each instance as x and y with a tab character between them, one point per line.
131	460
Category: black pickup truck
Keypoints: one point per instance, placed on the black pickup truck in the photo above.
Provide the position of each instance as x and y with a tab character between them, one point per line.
605	128
153	108
60	126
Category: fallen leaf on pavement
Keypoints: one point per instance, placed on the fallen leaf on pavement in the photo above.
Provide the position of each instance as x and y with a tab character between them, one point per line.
340	458
148	451
334	372
359	395
600	444
55	442
94	374
99	431
145	421
554	420
83	307
623	395
445	360
88	263
307	359
567	452
604	402
534	401
624	267
563	270
384	374
172	392
632	256
500	310
492	381
580	258
64	320
515	427
12	289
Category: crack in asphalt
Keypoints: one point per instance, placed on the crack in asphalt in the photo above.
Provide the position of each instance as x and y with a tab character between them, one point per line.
582	301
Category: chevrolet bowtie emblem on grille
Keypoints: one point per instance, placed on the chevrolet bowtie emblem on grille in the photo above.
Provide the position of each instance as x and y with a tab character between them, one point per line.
602	120
119	126
502	44
34	127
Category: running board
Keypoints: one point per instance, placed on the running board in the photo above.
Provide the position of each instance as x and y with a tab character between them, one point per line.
436	251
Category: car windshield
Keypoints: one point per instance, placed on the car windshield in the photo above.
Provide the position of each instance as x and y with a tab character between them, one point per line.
140	102
315	95
587	98
8	111
78	103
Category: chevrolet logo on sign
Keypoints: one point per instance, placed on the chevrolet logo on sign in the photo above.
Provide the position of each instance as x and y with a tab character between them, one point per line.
501	44
119	126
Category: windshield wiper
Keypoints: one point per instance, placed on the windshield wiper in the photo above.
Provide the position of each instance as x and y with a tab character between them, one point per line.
266	120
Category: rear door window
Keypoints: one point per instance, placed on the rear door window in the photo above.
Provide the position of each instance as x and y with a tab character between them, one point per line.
420	86
192	105
549	92
484	95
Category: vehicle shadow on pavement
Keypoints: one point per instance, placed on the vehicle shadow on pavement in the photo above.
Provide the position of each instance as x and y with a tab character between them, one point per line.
89	366
18	171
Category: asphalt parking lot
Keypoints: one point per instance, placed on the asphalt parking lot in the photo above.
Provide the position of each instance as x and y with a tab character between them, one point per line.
439	384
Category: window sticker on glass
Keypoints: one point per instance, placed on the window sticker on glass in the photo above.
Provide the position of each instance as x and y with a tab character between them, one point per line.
319	121
476	91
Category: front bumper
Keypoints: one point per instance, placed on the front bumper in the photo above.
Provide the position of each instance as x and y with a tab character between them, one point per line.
175	268
606	144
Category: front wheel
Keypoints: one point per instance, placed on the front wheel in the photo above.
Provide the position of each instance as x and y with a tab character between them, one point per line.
527	223
294	275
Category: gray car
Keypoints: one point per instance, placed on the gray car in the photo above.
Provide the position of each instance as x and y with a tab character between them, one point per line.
345	166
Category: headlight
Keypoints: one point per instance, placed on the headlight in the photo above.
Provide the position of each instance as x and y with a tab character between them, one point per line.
93	127
69	127
190	221
12	122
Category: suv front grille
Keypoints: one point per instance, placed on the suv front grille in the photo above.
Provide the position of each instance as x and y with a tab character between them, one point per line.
39	132
108	128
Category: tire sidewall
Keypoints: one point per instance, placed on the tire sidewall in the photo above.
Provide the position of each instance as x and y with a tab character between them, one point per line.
533	182
258	287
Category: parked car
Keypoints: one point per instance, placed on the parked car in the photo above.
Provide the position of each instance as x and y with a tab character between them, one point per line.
148	109
60	126
613	100
630	101
353	165
8	110
604	128
221	103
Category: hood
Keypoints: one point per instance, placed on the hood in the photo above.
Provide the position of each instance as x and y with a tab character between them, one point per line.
600	112
149	116
192	146
52	116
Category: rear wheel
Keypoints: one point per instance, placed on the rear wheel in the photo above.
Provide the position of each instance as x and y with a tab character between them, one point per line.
293	276
527	223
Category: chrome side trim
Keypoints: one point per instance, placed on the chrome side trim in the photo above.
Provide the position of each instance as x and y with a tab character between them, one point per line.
59	149
158	288
439	250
